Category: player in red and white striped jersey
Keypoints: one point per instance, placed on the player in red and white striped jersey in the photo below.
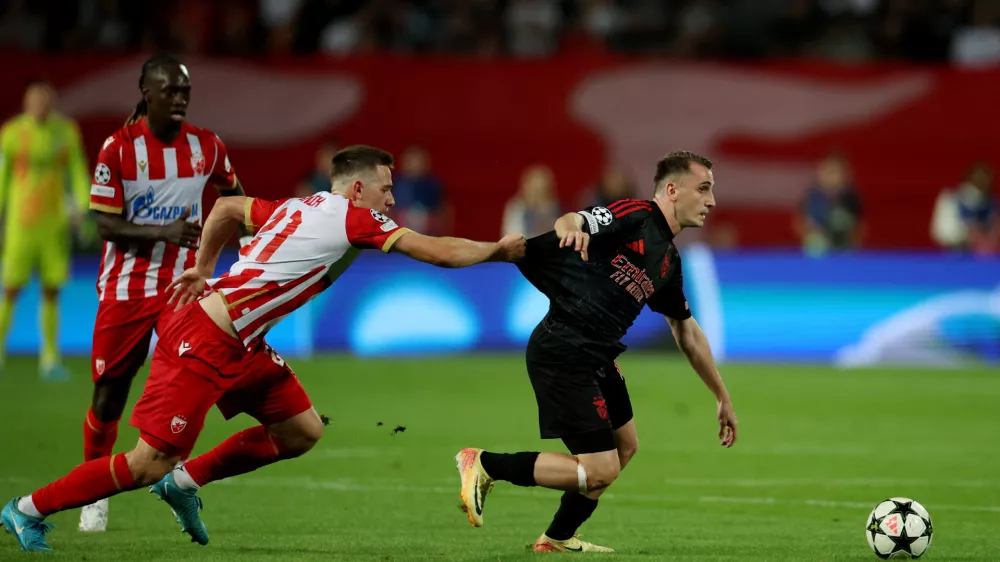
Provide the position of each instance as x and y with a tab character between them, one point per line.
212	351
147	202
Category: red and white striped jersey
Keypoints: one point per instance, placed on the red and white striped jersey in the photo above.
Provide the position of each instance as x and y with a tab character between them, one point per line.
150	183
304	245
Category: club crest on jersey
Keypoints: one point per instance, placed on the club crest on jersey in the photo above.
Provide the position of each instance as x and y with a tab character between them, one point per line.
602	215
178	424
198	163
379	216
102	174
142	165
602	408
99	365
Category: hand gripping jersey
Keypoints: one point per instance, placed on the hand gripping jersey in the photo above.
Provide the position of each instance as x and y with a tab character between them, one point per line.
302	247
150	183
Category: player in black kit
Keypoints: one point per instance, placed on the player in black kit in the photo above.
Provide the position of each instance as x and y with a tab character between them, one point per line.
598	268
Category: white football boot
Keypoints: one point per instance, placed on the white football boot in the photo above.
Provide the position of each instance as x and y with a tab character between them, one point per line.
94	517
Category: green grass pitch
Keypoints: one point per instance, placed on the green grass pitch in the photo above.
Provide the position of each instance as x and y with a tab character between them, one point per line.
818	448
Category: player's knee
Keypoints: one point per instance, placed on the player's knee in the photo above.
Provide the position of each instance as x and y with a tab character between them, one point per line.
148	465
303	438
50	293
11	293
601	470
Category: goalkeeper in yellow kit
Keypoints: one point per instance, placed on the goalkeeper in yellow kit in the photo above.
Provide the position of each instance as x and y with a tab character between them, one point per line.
41	153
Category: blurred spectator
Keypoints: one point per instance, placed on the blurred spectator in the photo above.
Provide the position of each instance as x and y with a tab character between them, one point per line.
838	29
103	24
534	209
319	179
278	19
601	19
532	27
979	44
967	218
830	216
845	39
613	185
420	199
700	32
21	26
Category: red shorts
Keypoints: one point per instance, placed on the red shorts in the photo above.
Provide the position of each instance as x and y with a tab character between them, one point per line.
195	365
122	333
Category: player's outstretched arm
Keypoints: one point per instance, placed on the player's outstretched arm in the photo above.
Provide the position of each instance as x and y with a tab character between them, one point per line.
445	251
692	341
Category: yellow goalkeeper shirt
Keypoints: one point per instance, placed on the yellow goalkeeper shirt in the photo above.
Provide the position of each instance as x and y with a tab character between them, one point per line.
39	160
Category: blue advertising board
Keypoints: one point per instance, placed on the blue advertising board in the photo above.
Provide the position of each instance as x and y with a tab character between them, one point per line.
851	309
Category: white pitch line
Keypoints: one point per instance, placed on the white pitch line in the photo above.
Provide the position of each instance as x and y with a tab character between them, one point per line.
840	504
347	485
824	482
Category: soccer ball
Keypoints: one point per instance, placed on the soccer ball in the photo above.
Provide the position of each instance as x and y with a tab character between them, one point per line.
899	528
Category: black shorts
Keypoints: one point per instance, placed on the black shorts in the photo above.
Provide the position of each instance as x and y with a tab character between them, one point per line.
577	398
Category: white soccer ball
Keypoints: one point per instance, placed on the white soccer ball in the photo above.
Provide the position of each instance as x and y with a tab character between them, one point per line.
899	528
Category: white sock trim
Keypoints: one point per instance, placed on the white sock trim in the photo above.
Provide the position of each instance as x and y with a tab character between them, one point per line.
184	480
581	478
27	506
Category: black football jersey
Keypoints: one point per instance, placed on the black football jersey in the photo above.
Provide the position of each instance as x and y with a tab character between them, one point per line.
632	263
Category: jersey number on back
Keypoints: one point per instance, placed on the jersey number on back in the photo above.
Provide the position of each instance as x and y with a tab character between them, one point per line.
278	239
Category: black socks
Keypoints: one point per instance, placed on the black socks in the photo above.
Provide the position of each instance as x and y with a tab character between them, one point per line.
574	509
516	468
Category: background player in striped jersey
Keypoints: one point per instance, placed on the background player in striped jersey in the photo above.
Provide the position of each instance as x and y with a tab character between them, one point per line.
41	149
212	351
147	197
599	268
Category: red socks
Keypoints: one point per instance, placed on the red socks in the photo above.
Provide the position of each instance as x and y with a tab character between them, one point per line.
85	484
98	437
241	453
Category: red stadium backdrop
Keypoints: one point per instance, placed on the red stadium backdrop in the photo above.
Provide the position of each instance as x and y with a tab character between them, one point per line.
909	131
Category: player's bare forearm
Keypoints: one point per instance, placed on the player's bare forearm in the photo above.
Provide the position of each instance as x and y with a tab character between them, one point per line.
570	222
692	342
461	252
226	217
114	228
445	251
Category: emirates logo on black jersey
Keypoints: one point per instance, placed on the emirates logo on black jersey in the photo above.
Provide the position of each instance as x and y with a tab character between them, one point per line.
632	278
